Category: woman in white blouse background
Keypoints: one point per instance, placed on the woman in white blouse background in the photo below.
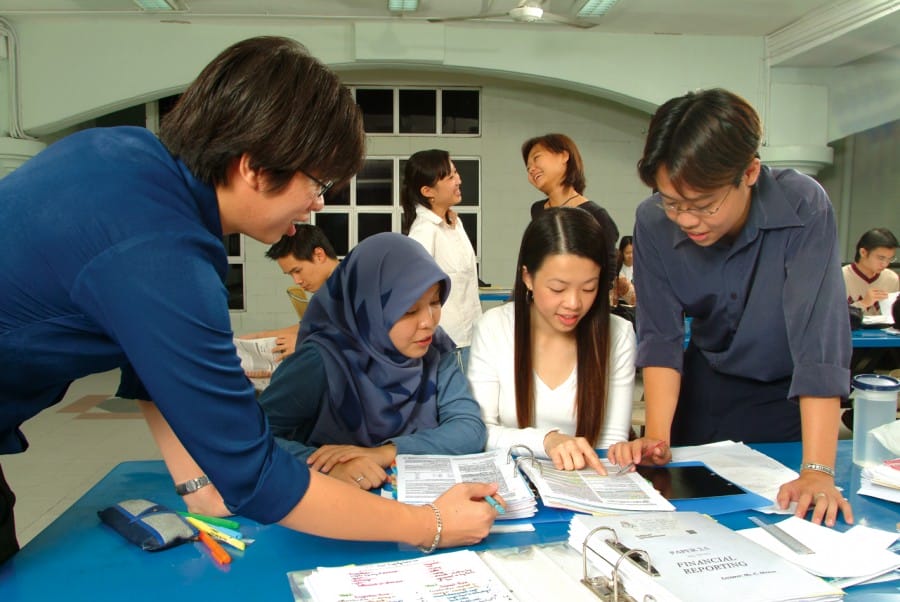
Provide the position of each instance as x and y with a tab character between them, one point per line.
431	187
553	370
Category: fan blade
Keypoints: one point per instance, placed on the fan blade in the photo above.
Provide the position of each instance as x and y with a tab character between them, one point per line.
486	16
553	18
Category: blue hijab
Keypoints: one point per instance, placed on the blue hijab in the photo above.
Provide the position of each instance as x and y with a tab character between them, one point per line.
375	392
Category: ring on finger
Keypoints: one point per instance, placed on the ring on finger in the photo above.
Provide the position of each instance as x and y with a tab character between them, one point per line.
818	495
361	477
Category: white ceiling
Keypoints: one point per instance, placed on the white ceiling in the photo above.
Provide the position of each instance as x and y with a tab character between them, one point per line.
875	40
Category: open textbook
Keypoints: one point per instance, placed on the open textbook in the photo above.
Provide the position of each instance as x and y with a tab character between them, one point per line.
421	479
687	557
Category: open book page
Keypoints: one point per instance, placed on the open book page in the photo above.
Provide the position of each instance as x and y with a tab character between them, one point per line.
693	559
586	491
540	573
256	354
885	316
460	576
423	478
854	556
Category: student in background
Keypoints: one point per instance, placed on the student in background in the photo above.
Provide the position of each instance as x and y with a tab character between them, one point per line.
751	254
431	188
869	278
135	280
309	259
554	167
374	374
624	288
553	370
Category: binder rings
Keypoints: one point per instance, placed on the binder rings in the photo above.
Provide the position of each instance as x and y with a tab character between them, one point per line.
684	557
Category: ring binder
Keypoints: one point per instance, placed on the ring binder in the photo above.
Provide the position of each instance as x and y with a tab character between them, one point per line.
610	589
534	462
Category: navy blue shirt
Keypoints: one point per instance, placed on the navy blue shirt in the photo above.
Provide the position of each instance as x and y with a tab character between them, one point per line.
111	257
769	305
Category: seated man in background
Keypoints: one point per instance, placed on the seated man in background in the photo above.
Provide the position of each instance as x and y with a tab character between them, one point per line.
309	259
869	278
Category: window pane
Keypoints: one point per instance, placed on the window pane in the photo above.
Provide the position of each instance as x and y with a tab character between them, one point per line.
234	284
469	172
338	197
377	109
418	110
375	183
470	223
460	111
335	227
373	223
232	243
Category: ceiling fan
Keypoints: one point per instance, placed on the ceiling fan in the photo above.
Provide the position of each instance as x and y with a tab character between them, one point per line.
527	11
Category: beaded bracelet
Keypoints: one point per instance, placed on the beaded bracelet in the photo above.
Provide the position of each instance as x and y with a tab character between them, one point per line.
437	536
818	468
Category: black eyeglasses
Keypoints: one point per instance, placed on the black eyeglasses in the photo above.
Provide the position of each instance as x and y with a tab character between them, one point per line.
674	209
324	187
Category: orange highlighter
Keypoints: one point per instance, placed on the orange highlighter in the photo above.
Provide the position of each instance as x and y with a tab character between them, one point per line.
217	551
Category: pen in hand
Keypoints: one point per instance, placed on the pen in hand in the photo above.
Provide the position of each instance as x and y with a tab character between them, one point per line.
495	504
631	465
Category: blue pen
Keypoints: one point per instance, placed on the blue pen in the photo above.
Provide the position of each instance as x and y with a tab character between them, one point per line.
494	504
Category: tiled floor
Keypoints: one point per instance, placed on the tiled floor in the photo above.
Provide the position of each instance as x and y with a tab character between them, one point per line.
72	446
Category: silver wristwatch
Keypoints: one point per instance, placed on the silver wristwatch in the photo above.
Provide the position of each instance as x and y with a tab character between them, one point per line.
192	485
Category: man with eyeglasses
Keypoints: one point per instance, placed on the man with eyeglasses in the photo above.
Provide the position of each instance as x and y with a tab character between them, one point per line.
869	278
750	254
112	257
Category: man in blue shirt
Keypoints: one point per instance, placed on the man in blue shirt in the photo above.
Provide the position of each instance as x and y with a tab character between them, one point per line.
750	253
112	258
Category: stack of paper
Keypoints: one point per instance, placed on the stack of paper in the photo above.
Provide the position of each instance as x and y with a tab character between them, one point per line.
586	491
882	481
422	479
850	558
692	559
460	576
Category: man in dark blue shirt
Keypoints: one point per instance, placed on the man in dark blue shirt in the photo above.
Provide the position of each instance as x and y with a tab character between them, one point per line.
112	258
750	253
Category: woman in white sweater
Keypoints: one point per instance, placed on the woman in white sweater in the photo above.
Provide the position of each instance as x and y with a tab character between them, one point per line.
553	370
431	188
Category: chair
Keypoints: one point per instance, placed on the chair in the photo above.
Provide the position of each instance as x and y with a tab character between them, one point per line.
299	299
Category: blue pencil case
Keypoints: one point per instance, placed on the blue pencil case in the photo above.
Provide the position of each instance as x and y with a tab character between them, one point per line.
149	525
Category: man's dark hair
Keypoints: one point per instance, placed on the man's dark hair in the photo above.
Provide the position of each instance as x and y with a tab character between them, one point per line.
268	98
302	244
875	238
704	139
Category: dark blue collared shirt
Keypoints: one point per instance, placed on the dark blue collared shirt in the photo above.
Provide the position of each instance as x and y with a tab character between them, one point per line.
769	305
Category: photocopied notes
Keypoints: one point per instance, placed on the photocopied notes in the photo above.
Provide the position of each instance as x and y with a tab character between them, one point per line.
586	491
422	479
451	577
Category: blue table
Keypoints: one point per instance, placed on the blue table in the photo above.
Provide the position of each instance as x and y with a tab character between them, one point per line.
78	558
494	294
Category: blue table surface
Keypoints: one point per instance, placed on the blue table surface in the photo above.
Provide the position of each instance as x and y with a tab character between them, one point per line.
76	557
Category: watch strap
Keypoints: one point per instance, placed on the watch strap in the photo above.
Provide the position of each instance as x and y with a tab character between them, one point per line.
192	485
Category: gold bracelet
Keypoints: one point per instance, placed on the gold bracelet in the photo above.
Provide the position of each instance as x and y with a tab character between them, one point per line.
818	468
437	536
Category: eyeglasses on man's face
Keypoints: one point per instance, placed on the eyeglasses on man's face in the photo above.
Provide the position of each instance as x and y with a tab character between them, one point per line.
708	210
324	187
884	259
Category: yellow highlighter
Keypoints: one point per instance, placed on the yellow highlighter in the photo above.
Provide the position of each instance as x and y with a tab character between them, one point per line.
215	533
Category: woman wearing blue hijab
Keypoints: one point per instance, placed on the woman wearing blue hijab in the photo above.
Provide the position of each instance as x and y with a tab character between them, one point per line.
373	374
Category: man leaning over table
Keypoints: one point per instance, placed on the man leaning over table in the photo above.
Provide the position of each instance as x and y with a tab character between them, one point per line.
112	258
750	253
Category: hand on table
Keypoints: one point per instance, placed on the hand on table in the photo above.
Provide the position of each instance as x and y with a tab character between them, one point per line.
815	491
362	472
328	456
